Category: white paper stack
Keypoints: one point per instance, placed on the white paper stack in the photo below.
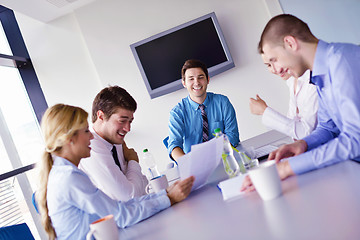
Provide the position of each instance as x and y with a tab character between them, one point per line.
230	188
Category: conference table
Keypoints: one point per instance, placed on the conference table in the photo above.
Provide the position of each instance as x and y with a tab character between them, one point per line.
322	204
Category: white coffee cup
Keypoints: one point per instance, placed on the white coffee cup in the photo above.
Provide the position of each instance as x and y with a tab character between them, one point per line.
104	229
157	184
266	180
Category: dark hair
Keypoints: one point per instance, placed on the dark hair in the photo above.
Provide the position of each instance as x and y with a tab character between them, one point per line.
284	25
110	99
193	63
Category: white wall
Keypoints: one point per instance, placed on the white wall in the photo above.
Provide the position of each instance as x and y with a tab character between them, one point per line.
61	60
81	53
331	21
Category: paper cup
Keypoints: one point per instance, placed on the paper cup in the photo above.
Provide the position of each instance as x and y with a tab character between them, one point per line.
266	180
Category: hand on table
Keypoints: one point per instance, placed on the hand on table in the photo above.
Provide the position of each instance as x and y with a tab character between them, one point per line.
288	150
283	169
257	106
129	153
180	190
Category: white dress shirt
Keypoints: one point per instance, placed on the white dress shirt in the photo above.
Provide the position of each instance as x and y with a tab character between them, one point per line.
120	185
301	118
74	202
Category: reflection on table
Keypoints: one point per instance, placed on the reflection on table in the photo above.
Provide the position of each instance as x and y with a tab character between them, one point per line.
321	204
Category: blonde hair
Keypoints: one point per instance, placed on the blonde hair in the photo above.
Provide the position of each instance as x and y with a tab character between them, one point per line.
59	123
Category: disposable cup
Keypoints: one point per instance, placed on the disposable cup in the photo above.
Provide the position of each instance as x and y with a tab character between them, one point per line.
266	180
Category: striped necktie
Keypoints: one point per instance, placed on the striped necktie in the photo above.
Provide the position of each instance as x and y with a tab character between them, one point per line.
205	134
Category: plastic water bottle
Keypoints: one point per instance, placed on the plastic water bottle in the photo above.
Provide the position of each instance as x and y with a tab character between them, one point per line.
231	166
247	161
150	164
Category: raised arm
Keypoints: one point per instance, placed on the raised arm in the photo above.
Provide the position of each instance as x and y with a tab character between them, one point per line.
106	175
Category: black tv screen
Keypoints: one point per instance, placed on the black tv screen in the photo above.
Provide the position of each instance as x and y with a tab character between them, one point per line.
161	57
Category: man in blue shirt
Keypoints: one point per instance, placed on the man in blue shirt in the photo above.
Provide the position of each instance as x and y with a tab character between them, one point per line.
289	44
186	120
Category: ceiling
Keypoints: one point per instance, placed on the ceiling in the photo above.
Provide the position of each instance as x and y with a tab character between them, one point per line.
44	10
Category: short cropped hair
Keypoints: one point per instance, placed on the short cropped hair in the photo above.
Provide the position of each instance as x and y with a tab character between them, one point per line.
110	99
284	25
193	63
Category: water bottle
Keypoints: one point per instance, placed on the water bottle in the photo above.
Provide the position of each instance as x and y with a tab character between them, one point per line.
247	161
231	166
150	164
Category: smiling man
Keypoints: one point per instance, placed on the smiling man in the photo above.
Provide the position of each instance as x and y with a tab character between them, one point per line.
194	119
301	118
289	45
112	166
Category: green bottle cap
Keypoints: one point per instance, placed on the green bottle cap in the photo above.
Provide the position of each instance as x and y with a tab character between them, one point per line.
217	130
145	150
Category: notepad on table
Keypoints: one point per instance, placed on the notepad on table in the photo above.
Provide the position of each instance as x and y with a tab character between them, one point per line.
230	188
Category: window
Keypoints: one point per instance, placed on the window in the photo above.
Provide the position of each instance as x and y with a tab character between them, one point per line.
22	104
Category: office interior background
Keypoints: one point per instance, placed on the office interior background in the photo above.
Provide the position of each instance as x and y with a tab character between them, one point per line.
78	53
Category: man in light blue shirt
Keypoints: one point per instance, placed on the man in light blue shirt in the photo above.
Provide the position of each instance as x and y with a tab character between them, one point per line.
186	121
289	44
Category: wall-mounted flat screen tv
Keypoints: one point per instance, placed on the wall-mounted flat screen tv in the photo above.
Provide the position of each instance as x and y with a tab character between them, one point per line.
161	57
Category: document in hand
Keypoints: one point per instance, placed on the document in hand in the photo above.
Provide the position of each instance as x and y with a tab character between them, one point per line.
201	161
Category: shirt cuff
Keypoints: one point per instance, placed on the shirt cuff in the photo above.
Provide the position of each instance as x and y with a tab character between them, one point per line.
311	142
266	116
302	163
164	200
171	148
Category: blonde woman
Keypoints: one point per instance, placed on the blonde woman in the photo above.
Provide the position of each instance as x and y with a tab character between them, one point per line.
68	200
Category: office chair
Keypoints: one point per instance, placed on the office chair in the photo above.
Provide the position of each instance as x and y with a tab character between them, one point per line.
34	202
165	141
16	232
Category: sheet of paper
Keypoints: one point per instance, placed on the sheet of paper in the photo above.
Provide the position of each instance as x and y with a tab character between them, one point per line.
201	161
230	188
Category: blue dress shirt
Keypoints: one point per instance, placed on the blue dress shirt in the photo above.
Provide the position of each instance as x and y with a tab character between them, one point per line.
185	124
336	73
74	202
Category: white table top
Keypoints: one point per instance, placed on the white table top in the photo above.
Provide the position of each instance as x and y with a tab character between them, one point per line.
322	204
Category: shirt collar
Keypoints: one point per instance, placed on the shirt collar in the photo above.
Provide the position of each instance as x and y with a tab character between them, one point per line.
60	161
305	78
195	105
320	63
106	143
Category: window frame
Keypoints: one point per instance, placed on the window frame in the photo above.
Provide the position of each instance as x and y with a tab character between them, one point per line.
26	70
21	60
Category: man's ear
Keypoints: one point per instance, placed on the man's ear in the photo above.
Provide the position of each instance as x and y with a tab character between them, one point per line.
291	43
183	83
100	115
208	80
